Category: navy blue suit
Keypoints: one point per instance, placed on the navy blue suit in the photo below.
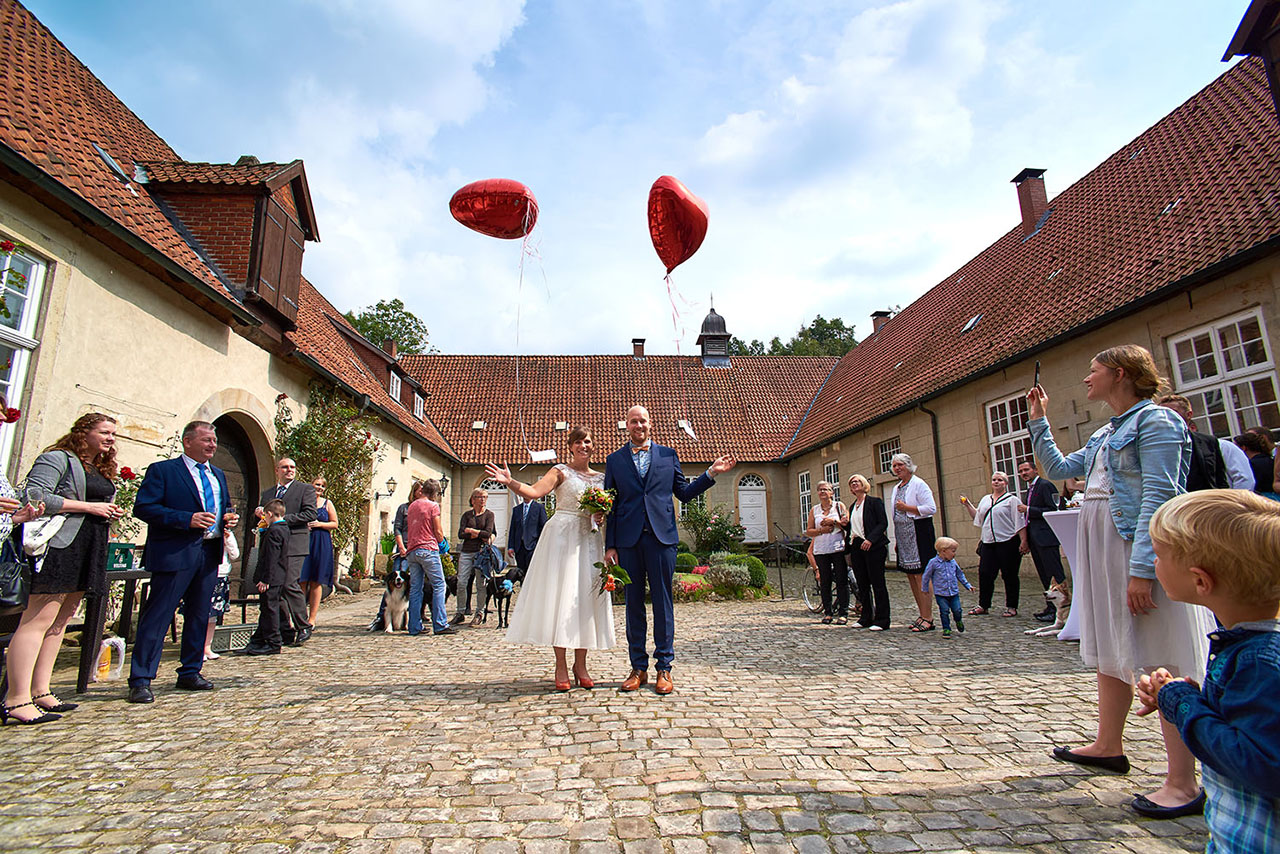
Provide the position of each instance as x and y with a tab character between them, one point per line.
527	522
642	528
183	565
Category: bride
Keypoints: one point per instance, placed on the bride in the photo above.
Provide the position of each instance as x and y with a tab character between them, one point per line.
560	603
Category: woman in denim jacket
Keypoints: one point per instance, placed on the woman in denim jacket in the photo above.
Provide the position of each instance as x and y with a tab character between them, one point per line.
1131	466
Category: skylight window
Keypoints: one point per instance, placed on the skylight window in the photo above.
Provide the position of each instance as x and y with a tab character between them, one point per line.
684	425
478	425
973	322
622	425
1054	275
111	163
1173	204
562	425
1134	156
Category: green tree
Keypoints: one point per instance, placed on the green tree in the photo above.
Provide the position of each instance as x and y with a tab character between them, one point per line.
390	319
821	337
334	440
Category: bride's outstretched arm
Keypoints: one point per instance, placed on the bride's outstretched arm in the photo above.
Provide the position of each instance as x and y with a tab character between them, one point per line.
541	487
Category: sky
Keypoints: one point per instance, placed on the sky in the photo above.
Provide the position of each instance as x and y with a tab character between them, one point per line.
851	154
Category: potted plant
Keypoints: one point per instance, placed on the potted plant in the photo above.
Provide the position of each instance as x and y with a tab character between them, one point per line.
357	575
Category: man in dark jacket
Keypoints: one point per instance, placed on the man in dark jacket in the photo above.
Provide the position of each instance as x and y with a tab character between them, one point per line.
1042	496
527	521
1208	468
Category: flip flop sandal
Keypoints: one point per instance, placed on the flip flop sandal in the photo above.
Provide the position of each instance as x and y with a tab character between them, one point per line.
977	611
1010	612
924	626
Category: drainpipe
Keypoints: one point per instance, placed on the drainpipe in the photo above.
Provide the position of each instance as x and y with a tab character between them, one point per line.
941	499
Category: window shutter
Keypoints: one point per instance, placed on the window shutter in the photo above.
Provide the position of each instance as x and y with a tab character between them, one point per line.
291	269
273	234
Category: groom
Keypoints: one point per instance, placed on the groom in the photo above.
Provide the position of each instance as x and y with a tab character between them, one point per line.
641	537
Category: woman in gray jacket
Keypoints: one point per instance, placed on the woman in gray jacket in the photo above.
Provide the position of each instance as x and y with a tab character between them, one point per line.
75	477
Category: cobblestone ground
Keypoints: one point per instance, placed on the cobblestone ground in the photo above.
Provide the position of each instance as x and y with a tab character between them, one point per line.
782	735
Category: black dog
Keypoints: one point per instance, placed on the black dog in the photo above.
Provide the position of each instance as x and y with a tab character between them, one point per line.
396	600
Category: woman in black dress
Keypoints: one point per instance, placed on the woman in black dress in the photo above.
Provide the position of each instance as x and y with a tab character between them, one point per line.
75	477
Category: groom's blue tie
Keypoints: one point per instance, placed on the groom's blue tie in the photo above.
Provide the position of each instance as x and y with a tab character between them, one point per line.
210	503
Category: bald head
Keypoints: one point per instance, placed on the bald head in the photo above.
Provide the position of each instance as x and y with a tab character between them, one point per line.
638	424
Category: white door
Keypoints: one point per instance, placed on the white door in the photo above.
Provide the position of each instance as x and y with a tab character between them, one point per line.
887	491
752	513
499	504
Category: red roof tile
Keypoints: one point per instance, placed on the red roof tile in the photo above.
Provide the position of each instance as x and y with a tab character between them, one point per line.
231	174
750	409
1196	189
317	336
53	110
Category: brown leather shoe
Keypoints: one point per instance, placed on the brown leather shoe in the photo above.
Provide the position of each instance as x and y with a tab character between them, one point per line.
635	680
663	684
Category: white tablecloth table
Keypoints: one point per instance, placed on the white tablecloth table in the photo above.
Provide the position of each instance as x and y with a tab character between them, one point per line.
1064	524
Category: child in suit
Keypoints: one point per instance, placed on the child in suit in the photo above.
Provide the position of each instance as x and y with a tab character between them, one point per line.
946	576
269	578
1220	548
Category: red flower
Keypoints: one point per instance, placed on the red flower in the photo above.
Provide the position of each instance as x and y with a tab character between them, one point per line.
127	473
11	415
7	246
368	435
281	396
324	459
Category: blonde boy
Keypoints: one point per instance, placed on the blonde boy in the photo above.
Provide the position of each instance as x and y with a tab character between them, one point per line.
1221	548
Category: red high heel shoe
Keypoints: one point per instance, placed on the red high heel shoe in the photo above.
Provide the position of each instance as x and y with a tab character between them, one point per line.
584	681
562	686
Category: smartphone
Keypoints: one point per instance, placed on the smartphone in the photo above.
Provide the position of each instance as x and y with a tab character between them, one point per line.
1036	383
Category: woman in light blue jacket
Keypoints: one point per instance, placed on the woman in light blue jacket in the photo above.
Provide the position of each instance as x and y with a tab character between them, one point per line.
1131	466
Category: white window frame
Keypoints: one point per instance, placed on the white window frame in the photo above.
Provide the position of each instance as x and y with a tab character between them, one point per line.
700	500
393	386
884	453
1224	384
831	474
1008	439
21	336
805	491
419	407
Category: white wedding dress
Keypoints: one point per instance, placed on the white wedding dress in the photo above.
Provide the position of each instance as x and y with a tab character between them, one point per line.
560	603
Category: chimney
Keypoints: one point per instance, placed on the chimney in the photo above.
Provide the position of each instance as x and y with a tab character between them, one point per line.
637	347
389	347
879	319
1031	198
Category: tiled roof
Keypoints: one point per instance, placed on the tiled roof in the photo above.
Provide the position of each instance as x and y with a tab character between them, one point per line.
53	110
1196	189
750	409
231	174
317	336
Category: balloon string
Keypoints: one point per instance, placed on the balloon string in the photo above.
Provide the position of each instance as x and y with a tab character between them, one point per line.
677	327
525	250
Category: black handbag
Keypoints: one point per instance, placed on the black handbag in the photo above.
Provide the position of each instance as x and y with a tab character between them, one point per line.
15	580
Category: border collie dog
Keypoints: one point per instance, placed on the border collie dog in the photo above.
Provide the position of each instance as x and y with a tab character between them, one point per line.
396	599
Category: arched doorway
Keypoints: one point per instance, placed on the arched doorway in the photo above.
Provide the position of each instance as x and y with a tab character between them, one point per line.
236	459
753	508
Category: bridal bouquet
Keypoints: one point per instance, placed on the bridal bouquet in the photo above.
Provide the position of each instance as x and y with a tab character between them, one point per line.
597	500
611	577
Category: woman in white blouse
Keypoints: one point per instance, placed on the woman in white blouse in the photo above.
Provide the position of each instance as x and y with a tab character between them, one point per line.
913	509
827	523
1004	542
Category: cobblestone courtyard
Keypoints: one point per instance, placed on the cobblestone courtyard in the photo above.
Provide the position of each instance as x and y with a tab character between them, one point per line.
782	735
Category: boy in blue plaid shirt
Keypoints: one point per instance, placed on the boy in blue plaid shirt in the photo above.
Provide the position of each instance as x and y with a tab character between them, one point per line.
1220	548
946	576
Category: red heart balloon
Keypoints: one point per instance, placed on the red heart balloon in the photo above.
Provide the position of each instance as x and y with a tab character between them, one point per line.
498	207
677	221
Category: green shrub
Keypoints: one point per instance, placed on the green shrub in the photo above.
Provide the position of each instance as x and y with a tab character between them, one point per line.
357	566
755	566
685	559
712	530
728	576
682	547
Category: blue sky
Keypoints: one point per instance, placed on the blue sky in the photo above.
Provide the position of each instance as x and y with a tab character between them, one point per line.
851	154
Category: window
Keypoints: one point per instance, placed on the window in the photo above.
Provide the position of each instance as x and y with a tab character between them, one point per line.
393	386
885	452
831	474
1010	441
22	279
806	500
1228	374
418	406
750	480
700	501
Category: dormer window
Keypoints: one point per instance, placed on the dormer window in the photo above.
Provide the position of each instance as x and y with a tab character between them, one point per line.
393	386
419	406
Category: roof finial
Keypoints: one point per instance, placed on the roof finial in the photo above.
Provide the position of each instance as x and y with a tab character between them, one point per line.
713	302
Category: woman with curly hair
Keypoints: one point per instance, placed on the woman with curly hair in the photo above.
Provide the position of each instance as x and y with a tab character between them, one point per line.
74	477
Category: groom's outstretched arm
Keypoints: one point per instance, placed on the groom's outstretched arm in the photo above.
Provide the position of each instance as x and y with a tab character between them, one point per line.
687	490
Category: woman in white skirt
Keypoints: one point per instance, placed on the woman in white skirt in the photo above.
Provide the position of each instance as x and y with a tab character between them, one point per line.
1128	625
560	603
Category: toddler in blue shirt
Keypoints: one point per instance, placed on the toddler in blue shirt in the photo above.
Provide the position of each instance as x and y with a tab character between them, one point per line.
946	576
1220	548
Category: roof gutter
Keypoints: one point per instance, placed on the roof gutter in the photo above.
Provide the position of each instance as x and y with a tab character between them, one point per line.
1243	258
390	416
25	168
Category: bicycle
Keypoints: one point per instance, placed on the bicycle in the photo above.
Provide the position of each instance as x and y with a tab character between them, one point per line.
812	593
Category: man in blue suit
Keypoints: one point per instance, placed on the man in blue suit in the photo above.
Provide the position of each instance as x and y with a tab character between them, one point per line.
527	520
641	537
185	503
